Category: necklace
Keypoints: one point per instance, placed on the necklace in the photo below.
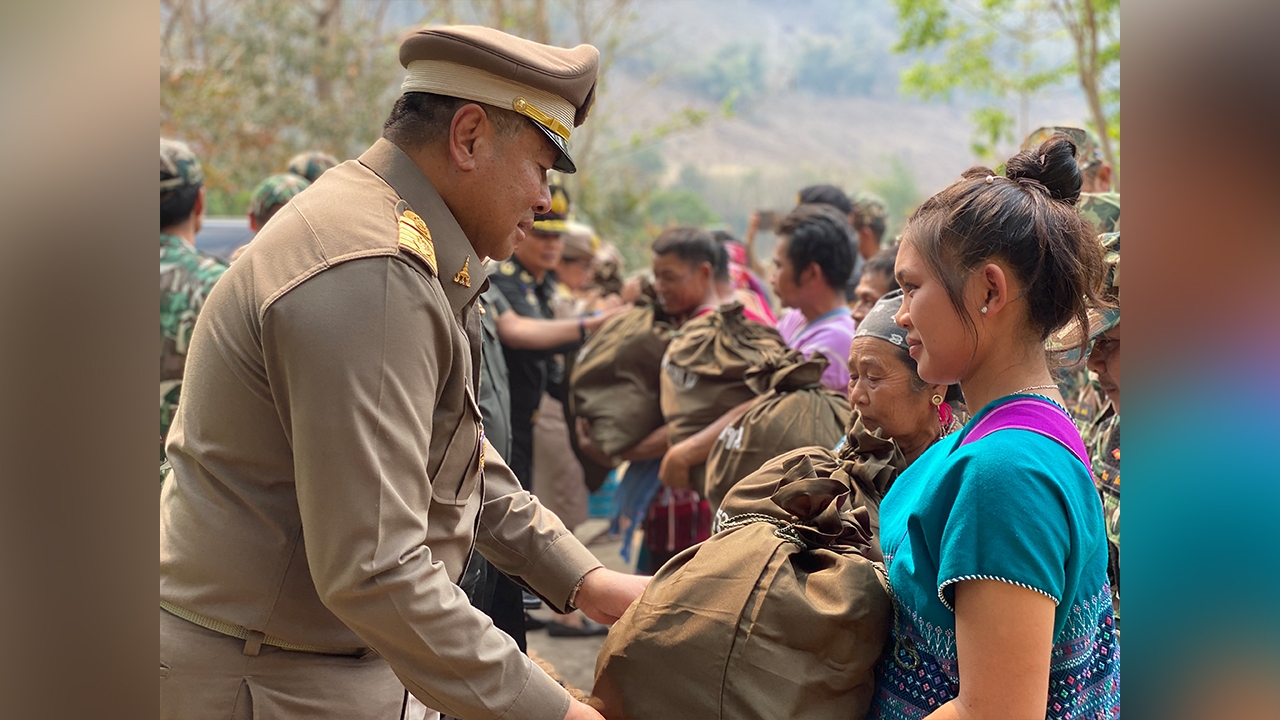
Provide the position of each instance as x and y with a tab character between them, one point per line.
1055	403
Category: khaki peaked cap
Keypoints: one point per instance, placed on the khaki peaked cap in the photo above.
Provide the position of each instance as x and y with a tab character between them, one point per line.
554	87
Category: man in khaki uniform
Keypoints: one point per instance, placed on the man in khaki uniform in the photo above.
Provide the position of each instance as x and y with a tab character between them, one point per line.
330	471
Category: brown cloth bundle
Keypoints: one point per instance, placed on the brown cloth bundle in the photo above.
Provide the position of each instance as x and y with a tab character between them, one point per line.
614	383
872	463
705	368
794	410
779	615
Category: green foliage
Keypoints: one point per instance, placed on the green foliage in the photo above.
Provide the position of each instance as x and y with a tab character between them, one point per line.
995	49
900	193
735	73
259	81
834	67
678	206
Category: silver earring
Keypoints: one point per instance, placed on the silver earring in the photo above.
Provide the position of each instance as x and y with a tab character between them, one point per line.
984	309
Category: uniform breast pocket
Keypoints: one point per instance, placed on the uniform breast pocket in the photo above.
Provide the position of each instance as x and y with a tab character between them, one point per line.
459	473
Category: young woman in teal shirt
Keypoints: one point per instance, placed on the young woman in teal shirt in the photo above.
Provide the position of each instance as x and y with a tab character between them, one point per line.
993	539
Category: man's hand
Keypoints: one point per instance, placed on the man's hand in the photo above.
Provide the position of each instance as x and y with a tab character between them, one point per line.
674	471
594	322
587	445
606	594
581	711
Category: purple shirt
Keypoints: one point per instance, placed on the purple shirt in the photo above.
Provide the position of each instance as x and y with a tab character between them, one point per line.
829	334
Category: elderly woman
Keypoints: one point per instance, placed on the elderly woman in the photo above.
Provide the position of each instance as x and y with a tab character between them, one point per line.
897	416
885	388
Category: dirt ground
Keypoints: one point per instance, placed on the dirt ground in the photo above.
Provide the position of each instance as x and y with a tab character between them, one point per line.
574	659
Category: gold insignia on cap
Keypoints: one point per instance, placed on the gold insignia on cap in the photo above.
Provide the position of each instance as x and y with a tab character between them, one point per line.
415	237
463	277
526	108
559	201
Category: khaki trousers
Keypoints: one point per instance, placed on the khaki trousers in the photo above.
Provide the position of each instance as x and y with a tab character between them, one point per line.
558	479
205	674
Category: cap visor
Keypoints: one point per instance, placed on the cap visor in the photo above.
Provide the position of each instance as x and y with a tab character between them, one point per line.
563	163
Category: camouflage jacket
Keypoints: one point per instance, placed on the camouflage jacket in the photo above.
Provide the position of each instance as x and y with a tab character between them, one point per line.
186	277
1101	209
1102	438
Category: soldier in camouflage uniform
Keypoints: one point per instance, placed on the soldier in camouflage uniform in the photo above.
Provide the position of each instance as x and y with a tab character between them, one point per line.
1097	202
868	221
186	275
1094	170
271	194
310	164
1100	206
1102	435
1101	209
268	197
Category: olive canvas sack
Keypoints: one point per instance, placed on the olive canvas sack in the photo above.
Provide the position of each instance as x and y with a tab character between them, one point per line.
705	367
777	615
793	410
614	383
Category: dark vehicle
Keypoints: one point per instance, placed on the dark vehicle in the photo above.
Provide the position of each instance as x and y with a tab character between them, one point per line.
222	235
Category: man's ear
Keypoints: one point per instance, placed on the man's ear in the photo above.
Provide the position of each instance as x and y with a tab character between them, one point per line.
198	208
469	129
253	222
811	273
1102	180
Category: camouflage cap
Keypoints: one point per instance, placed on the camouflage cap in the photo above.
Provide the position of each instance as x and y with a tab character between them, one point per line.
869	210
1101	209
179	168
556	219
1100	321
1088	148
311	163
275	190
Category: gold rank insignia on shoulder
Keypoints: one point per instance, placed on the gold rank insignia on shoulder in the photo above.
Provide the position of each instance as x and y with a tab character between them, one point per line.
415	236
463	277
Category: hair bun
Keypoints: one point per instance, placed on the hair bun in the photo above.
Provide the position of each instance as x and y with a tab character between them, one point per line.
1052	165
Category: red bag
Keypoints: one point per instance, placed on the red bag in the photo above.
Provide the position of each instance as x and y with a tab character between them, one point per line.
677	519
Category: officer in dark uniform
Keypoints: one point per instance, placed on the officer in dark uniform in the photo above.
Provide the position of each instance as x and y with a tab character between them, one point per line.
528	282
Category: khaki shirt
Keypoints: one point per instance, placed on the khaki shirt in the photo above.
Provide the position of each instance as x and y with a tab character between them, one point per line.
327	479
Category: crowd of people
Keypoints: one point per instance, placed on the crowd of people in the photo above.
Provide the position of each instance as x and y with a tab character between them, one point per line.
373	410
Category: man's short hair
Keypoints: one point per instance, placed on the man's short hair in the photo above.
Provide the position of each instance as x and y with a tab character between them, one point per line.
826	195
181	178
419	119
882	263
818	233
692	245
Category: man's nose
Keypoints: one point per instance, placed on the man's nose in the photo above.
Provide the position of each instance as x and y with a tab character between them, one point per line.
543	203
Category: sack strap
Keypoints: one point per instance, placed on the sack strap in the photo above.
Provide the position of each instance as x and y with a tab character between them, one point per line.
1038	416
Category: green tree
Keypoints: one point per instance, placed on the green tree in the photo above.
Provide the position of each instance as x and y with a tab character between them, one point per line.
900	193
1002	49
251	83
734	74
